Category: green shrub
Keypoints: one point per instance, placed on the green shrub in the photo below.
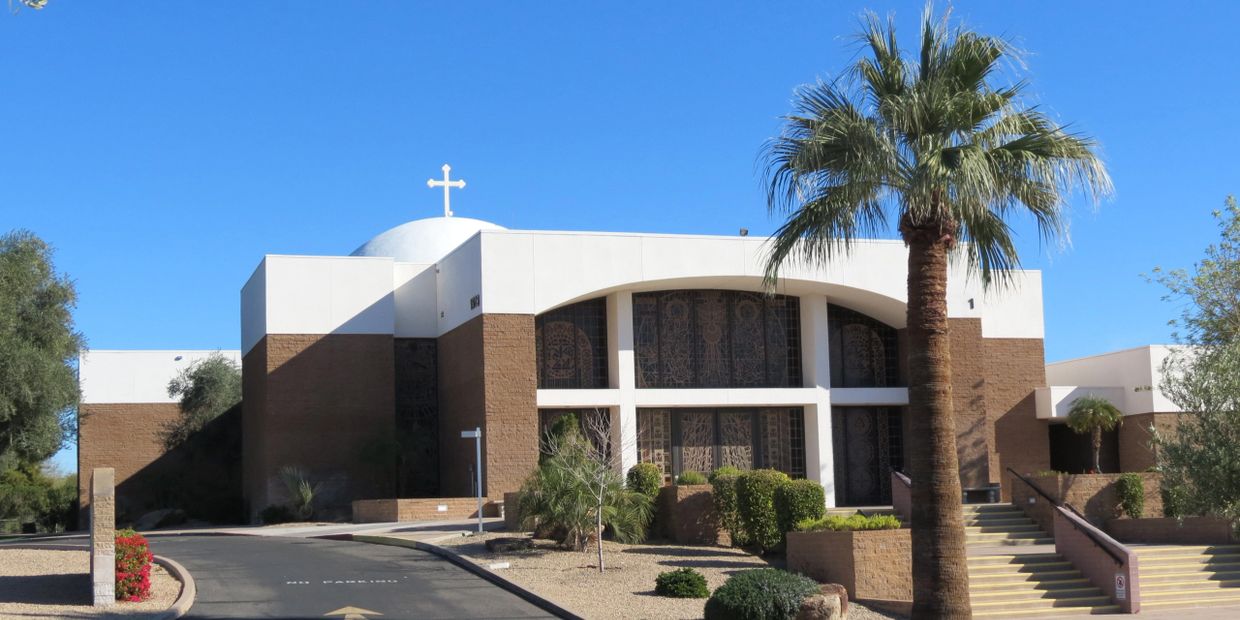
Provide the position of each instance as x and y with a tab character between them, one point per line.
691	477
277	513
1173	500
1131	489
681	583
301	492
798	501
723	492
762	594
851	523
755	501
645	478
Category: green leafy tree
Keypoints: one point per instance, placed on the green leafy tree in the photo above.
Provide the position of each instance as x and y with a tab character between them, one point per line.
577	491
935	144
206	389
38	352
1200	462
31	494
1094	415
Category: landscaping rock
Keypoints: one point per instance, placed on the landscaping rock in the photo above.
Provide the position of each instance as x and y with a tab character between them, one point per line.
509	545
820	607
840	591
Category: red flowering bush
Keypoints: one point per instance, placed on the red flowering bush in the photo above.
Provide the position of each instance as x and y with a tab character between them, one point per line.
133	567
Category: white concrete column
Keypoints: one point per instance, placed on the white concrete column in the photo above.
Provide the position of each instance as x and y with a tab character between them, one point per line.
622	375
816	369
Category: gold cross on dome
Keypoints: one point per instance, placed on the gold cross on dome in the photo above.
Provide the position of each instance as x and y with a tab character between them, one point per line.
446	185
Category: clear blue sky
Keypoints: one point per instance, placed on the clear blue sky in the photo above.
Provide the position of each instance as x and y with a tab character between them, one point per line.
163	148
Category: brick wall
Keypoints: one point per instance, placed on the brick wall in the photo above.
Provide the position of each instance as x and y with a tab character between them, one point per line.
1135	452
1014	367
686	514
1094	495
487	378
870	565
324	397
462	405
969	372
126	437
421	509
1171	531
1090	557
511	401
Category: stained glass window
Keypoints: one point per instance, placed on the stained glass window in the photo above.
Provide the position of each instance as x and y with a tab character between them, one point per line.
864	352
716	339
679	440
571	344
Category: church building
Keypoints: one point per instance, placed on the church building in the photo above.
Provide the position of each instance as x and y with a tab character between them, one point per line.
362	370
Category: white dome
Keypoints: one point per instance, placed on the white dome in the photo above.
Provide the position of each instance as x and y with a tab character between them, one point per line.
424	241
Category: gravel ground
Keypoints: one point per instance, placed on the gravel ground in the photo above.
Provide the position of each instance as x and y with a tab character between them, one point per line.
626	590
56	584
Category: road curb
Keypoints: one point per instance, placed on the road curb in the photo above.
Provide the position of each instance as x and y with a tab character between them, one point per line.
528	595
189	589
185	600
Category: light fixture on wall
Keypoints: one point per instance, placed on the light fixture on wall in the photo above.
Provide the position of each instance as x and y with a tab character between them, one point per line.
744	232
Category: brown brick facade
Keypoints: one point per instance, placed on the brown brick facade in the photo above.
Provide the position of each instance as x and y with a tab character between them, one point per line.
1135	452
1014	368
128	438
487	379
973	433
314	402
1095	495
429	509
870	565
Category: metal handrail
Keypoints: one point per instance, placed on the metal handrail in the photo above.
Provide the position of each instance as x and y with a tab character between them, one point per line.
1058	504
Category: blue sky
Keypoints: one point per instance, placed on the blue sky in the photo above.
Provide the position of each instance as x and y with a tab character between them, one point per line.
163	148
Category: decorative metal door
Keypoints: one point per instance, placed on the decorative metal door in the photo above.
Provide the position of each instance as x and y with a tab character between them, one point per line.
697	441
867	442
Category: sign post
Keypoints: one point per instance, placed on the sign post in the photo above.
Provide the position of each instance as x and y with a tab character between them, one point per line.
476	435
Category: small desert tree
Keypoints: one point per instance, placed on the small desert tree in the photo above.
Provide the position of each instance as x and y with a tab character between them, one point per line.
1094	415
577	490
206	389
1201	460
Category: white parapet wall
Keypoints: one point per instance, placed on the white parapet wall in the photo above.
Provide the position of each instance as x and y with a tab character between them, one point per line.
112	376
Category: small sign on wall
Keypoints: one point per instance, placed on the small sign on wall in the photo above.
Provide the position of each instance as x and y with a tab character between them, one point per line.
1121	587
475	301
441	508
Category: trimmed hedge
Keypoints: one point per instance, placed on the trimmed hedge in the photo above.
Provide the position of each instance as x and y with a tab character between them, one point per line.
755	501
762	594
1131	490
645	478
723	493
681	583
691	477
797	501
851	523
133	567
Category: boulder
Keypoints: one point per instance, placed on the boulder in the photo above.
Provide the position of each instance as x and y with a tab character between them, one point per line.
509	544
820	607
840	591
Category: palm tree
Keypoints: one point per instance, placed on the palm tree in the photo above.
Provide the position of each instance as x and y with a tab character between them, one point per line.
1094	414
931	143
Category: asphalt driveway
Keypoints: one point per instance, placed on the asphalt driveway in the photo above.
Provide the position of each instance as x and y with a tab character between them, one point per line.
270	577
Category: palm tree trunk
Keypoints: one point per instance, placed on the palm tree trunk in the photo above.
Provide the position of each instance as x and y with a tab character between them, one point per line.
940	571
1097	448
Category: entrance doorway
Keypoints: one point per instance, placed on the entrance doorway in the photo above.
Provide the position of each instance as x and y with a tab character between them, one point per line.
868	443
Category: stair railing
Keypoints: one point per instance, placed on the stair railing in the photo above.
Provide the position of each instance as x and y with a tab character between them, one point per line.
1118	580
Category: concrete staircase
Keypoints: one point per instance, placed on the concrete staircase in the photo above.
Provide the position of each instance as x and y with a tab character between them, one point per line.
989	525
1031	584
1014	570
1187	576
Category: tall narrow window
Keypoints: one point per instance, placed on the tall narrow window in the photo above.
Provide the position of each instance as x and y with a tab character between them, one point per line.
716	339
571	345
864	352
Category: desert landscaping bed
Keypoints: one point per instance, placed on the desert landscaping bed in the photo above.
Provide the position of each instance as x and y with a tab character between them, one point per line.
626	590
36	583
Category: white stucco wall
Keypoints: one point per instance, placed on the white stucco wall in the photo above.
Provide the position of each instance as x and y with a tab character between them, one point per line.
108	376
318	295
1132	375
529	272
416	300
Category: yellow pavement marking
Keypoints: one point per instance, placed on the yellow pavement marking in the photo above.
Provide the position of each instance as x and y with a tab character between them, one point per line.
353	613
